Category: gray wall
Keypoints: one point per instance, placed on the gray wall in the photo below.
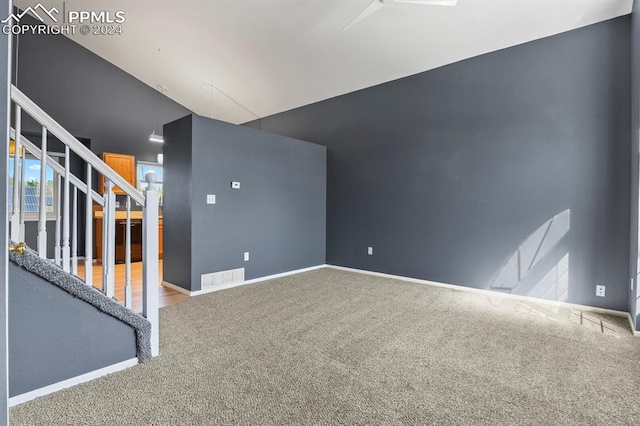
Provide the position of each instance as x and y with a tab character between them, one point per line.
446	173
53	336
634	253
5	8
278	215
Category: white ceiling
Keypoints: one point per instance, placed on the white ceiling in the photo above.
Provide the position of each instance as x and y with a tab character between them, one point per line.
275	55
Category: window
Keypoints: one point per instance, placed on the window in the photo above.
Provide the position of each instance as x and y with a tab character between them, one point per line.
31	189
143	169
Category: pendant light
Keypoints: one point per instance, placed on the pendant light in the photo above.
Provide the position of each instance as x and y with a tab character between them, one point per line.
160	158
153	137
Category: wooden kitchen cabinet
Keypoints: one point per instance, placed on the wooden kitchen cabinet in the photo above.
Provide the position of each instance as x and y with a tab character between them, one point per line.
136	236
124	165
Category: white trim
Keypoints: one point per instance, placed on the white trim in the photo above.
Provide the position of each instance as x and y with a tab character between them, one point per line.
4	233
176	288
414	280
486	292
241	283
28	396
631	326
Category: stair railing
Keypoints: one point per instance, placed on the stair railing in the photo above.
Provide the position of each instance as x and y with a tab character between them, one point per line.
67	185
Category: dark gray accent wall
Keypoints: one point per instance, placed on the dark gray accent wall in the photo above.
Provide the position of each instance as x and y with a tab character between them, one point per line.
54	336
448	172
635	161
5	60
91	97
176	223
278	215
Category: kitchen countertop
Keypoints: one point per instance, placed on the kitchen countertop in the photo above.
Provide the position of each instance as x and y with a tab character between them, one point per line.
122	215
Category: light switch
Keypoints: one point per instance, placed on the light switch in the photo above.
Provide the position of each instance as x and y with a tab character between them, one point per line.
235	185
211	199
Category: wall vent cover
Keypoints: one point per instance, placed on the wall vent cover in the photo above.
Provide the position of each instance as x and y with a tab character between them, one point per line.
221	278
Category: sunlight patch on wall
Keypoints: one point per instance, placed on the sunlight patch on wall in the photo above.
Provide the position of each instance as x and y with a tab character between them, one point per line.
520	264
555	284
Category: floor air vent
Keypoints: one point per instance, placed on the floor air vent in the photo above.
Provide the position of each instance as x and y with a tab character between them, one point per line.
222	278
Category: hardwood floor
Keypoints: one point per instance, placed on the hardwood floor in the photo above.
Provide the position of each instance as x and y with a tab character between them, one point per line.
167	297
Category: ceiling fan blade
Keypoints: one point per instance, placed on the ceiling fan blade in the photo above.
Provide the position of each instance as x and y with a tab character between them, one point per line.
430	2
372	8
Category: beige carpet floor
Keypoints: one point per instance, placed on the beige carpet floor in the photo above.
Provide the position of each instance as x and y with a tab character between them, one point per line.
337	348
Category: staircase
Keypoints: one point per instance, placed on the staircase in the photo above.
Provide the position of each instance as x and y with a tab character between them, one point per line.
64	258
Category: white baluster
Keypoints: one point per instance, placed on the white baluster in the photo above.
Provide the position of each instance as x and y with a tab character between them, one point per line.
105	236
66	252
109	238
23	190
57	257
15	212
42	216
150	307
88	236
74	238
127	257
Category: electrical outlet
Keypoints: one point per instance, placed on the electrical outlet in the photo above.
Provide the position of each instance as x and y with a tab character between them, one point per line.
600	289
370	251
211	199
631	283
246	256
235	185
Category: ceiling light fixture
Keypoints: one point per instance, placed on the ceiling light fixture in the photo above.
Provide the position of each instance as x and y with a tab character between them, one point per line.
156	138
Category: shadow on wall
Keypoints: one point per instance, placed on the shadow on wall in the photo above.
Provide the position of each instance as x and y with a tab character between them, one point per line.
540	265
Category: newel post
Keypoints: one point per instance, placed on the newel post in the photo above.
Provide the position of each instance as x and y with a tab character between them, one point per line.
150	308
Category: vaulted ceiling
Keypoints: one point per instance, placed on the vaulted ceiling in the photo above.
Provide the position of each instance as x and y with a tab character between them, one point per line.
268	56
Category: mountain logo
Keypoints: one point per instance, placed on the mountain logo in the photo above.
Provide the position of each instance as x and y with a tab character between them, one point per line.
34	12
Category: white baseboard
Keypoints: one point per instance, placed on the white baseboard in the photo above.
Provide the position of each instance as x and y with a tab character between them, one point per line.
176	288
487	292
284	274
19	399
418	281
633	329
238	284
